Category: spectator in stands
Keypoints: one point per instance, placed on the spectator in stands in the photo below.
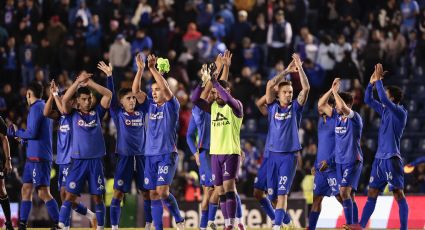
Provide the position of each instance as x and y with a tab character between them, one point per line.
142	14
241	29
279	37
341	47
80	11
27	60
141	42
218	28
55	32
191	37
68	56
394	46
251	54
94	38
119	56
409	10
205	16
9	62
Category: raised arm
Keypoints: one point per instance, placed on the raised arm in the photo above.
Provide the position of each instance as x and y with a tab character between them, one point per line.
82	78
136	87
6	151
270	92
368	98
105	102
323	105
160	80
340	104
107	69
198	101
381	90
48	111
226	62
262	105
303	95
228	99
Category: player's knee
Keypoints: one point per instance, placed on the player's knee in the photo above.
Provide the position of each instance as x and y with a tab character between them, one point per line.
372	192
97	199
398	194
118	195
258	194
317	203
145	195
44	194
163	193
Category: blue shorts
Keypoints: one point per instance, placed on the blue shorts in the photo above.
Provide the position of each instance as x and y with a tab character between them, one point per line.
281	168
205	168
159	170
260	181
63	173
82	170
387	171
325	183
348	175
37	173
127	168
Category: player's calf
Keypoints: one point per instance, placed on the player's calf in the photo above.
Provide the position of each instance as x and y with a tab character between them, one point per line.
115	211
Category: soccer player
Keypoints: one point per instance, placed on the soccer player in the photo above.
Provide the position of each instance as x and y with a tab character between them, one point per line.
129	118
64	141
160	151
387	167
284	117
5	168
324	171
226	120
348	154
260	182
88	146
37	168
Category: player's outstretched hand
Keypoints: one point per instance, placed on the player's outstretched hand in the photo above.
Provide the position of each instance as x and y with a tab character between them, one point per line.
53	87
379	70
297	61
291	68
83	78
335	85
205	74
151	61
227	58
140	62
11	131
107	69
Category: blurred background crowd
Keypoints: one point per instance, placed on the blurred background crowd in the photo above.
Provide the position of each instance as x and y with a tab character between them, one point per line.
41	40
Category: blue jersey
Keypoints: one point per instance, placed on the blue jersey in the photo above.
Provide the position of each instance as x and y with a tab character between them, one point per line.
203	121
38	133
283	127
162	127
326	139
131	133
266	151
393	121
87	137
64	142
348	131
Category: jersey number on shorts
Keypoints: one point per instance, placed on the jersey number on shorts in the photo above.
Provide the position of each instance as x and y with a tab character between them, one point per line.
389	175
283	180
163	170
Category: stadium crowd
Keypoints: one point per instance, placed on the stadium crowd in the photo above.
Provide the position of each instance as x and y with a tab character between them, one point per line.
41	40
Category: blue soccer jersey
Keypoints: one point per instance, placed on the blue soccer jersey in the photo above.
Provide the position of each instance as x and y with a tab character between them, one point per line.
203	121
283	127
162	127
348	131
38	133
64	141
326	140
131	130
87	137
393	122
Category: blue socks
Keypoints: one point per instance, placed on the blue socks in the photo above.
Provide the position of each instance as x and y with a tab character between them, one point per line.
157	213
212	210
115	211
267	207
100	214
65	212
204	219
279	215
355	213
348	210
53	210
173	207
81	209
403	212
367	211
238	207
148	210
25	211
312	220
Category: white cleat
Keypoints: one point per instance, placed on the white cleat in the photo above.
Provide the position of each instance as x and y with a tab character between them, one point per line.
148	226
181	225
211	225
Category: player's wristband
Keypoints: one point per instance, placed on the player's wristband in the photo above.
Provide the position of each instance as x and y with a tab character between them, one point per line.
55	94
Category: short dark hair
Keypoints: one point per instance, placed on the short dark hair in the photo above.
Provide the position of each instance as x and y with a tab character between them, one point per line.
283	83
37	89
123	92
346	97
83	90
224	84
396	93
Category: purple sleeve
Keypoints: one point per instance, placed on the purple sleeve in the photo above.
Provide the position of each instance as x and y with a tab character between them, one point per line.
228	99
197	100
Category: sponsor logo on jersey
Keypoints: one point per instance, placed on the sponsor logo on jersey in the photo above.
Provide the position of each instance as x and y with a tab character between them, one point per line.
90	124
156	116
283	116
220	120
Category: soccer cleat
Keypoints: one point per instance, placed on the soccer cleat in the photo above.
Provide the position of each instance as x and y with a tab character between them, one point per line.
180	225
148	226
211	225
241	227
289	226
276	227
9	226
352	227
22	226
57	227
